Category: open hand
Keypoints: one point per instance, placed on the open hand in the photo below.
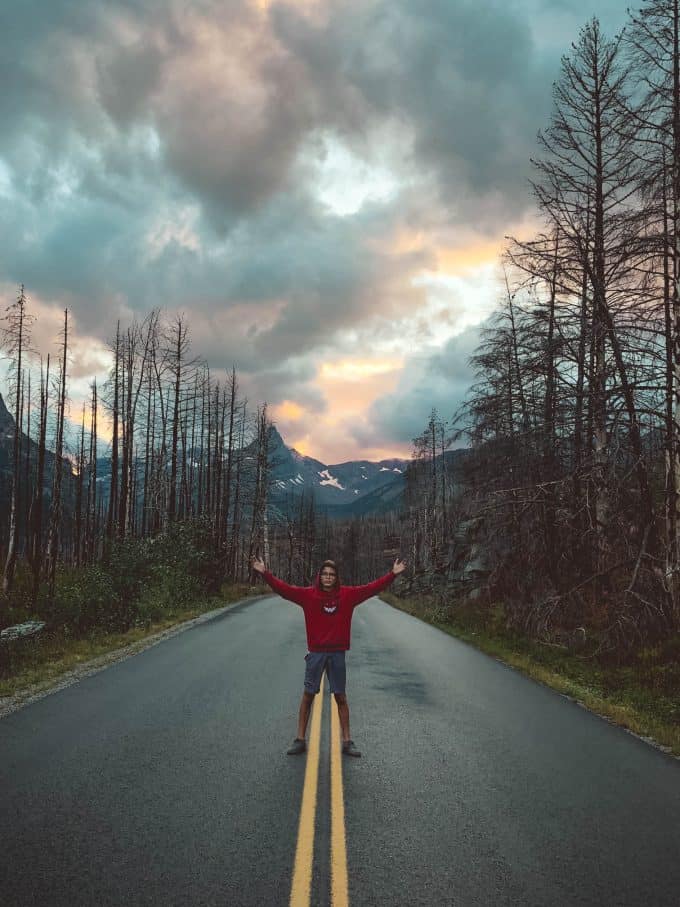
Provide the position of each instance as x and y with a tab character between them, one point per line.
398	567
257	564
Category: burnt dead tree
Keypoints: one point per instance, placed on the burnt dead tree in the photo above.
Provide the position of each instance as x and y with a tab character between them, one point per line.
59	465
15	340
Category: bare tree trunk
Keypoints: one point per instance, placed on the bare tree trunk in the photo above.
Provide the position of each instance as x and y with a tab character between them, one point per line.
255	545
27	468
206	448
675	553
55	511
549	434
148	454
91	516
127	358
222	530
515	359
220	416
78	544
17	340
191	492
36	512
236	521
113	490
172	503
179	341
584	333
184	502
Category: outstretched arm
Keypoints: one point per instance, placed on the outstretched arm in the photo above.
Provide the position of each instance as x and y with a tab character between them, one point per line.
292	593
359	594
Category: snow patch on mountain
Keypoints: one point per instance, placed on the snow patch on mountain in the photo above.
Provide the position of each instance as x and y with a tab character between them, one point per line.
328	479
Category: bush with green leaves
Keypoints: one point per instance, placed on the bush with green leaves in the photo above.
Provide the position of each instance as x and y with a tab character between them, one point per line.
141	580
189	548
86	599
130	565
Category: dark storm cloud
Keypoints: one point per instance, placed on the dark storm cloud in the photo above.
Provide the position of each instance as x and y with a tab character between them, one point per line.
158	153
465	78
233	101
127	79
97	255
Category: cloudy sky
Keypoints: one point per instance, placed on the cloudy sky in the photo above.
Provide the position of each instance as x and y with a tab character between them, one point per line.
322	186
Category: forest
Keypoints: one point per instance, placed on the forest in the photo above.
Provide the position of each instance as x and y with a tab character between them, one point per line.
573	421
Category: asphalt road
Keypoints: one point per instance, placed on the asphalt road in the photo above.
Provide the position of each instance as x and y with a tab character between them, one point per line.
163	780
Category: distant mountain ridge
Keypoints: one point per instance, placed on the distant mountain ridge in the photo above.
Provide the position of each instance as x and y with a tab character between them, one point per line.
7	431
342	489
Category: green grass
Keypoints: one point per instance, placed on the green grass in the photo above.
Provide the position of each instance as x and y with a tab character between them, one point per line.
642	695
42	662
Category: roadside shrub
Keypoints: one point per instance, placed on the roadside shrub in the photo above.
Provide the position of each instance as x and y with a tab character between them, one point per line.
85	599
141	580
130	565
187	548
171	590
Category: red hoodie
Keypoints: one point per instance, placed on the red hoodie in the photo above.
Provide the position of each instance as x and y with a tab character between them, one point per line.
328	615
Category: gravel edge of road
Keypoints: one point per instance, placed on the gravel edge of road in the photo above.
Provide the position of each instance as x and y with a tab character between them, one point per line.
650	741
10	704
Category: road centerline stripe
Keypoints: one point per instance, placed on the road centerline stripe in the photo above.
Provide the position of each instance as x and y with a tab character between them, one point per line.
300	892
339	884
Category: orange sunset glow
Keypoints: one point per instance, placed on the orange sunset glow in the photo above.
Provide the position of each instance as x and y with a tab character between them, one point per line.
349	387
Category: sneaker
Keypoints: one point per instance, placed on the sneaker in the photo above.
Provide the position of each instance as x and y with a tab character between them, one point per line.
299	746
348	749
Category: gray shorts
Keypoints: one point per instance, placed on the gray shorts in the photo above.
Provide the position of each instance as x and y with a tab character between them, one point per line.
331	662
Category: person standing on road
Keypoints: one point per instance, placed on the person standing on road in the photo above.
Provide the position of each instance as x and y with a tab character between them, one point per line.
328	609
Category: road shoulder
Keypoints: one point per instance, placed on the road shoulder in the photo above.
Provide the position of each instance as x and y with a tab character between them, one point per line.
34	692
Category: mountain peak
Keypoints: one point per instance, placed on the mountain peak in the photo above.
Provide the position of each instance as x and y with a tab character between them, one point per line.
275	439
342	488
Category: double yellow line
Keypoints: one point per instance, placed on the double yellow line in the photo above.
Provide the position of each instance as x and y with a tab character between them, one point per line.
304	854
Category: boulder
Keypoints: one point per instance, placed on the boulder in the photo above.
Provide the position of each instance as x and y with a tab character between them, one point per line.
22	631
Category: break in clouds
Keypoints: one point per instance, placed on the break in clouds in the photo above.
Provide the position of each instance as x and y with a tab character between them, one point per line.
311	182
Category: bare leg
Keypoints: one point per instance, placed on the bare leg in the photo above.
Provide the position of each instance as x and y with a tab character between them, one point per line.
303	716
343	715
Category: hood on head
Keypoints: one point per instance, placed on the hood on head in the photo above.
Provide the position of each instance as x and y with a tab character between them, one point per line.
337	576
